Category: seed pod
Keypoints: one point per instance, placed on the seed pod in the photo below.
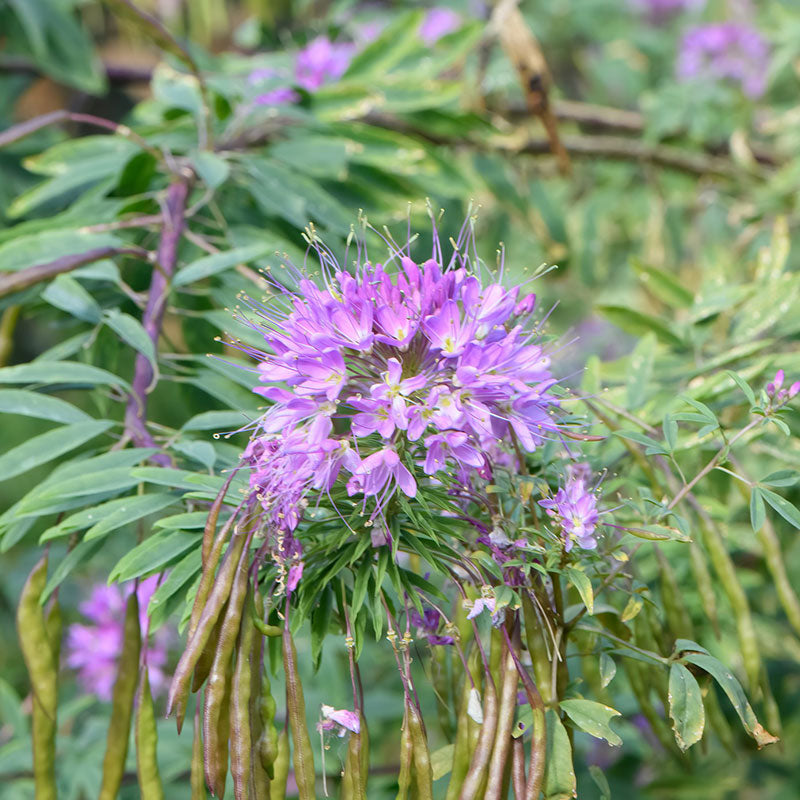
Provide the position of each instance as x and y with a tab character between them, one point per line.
518	768
466	730
505	723
211	522
441	687
296	712
423	772
122	701
196	777
715	716
218	690
705	586
179	688
241	743
679	622
259	778
54	622
537	647
723	566
147	772
37	653
268	742
206	660
476	774
356	768
776	564
278	783
639	682
406	760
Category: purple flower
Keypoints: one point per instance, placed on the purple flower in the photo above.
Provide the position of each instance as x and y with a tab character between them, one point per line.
776	393
281	96
726	51
428	625
575	508
480	605
93	648
437	23
661	10
382	371
339	720
321	61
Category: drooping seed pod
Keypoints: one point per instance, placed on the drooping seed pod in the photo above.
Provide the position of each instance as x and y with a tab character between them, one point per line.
296	713
423	773
241	729
479	763
466	728
196	775
281	765
505	723
406	760
147	773
179	688
122	702
37	653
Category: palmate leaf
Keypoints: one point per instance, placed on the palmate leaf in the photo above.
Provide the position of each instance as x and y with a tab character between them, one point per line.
47	446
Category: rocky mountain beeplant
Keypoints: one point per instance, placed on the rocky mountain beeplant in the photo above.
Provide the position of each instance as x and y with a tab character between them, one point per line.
420	467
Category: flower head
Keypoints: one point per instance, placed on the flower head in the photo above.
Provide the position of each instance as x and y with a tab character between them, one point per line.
575	508
438	22
94	647
322	61
726	51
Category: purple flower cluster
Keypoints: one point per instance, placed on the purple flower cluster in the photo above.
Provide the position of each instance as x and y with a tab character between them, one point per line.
427	624
661	10
575	508
318	63
93	648
726	51
777	394
390	372
438	22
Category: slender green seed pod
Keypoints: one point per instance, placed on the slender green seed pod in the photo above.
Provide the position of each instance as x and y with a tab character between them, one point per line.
54	622
537	647
441	686
705	586
179	688
505	723
406	760
296	712
776	564
37	653
356	768
679	622
268	741
723	566
241	731
148	776
203	668
278	783
638	678
476	774
772	713
196	777
211	521
423	772
464	728
210	562
218	690
122	702
518	768
259	778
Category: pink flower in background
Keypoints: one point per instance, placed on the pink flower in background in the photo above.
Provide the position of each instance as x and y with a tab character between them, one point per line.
340	721
322	61
438	22
93	648
726	51
661	10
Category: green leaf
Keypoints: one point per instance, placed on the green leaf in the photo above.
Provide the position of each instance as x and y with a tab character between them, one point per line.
559	774
781	478
133	509
219	262
782	506
687	645
743	385
608	669
397	40
220	421
598	776
442	761
758	511
639	324
663	285
593	718
27	250
579	579
652	446
723	676
47	446
178	577
640	370
192	520
78	555
41	406
670	430
131	331
213	169
65	293
52	372
178	478
153	553
685	706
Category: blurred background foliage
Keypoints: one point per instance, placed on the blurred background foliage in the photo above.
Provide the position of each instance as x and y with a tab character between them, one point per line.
672	220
